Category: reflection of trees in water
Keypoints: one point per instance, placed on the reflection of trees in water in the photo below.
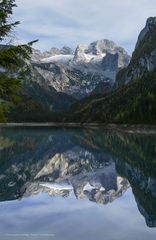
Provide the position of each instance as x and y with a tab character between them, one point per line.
135	157
136	149
54	155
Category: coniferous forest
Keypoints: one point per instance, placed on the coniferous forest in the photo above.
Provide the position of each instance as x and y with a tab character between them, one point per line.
132	99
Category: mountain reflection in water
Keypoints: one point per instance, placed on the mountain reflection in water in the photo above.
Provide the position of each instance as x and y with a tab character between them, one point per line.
97	165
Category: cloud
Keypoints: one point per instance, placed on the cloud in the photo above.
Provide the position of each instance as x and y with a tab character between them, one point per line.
69	218
70	22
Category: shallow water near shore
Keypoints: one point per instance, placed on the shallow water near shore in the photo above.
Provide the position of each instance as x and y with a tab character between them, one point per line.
77	184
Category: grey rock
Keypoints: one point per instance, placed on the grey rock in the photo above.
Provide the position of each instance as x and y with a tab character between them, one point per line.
79	73
144	56
151	21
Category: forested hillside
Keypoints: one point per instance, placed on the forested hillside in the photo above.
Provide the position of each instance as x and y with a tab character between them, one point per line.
131	103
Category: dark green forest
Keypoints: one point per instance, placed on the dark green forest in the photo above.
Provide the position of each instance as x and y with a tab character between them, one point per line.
132	103
13	60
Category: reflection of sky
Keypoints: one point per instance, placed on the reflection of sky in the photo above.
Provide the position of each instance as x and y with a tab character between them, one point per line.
69	22
71	219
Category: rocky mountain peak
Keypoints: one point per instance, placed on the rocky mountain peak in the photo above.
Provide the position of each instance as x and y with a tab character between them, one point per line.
52	52
144	56
79	73
38	55
66	50
150	23
79	54
56	51
98	47
97	51
101	46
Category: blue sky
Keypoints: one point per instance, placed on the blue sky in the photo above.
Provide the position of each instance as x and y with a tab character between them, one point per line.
69	22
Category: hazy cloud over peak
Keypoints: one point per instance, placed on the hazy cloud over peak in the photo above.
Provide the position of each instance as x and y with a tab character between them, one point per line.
70	22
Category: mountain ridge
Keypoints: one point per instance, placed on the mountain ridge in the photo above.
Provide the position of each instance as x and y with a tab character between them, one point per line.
97	98
133	98
79	73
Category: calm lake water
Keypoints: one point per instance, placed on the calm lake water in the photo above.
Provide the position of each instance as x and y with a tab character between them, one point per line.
77	184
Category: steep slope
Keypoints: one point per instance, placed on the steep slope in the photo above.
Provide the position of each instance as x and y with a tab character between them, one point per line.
59	77
46	94
90	164
133	100
144	57
56	162
133	103
79	73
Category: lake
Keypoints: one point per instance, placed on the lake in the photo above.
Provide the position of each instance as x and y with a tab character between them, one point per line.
72	184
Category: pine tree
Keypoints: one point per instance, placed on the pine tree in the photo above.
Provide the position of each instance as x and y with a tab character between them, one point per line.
13	59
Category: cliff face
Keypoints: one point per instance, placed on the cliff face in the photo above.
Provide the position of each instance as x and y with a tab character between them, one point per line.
89	164
92	165
144	190
60	77
57	163
79	73
144	56
133	98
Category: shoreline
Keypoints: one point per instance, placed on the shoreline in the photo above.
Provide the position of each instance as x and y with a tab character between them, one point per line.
129	128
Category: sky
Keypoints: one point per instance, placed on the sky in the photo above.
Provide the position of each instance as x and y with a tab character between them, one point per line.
58	23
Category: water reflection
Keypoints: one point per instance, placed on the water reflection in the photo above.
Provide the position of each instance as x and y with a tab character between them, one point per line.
90	164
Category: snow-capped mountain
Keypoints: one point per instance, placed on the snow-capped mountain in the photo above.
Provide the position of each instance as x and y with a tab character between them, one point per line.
38	55
88	164
101	186
58	58
58	164
78	73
